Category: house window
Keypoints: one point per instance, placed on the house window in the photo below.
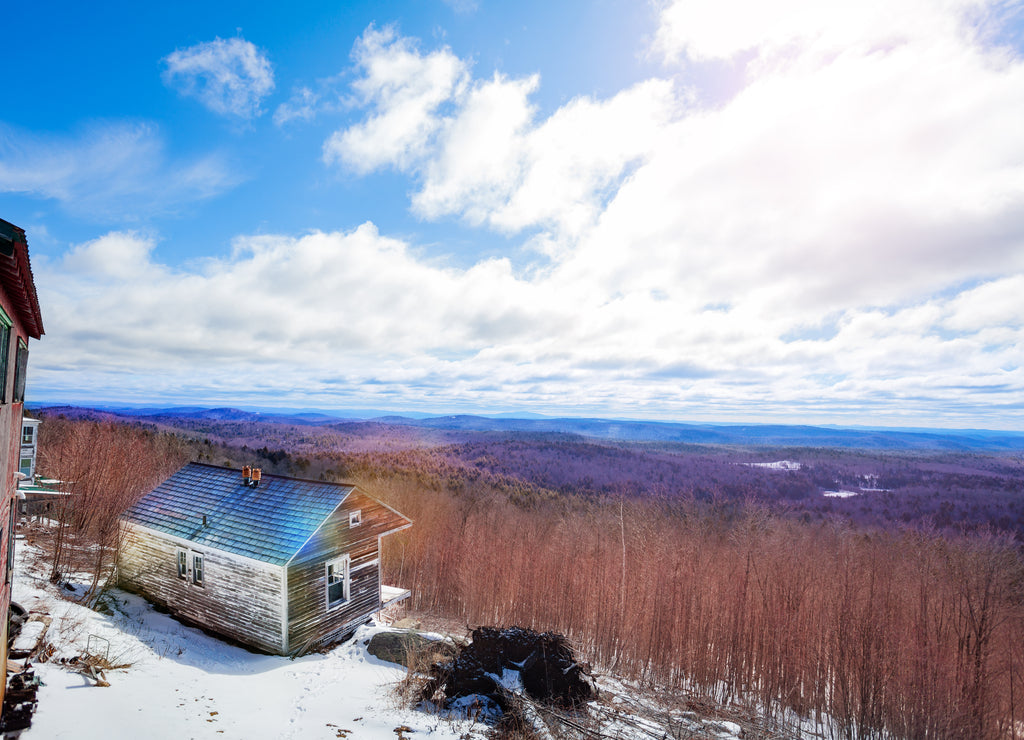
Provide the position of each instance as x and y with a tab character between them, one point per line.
20	369
355	518
338	581
182	564
26	435
26	467
197	569
5	345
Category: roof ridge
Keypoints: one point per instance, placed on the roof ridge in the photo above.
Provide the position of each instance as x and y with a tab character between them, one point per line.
274	475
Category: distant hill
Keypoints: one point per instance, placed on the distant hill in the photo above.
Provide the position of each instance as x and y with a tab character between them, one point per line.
746	435
771	435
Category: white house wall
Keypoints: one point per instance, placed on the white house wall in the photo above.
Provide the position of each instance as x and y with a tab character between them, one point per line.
241	598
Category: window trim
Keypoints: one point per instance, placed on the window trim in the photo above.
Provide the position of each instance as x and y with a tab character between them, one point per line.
198	570
5	350
28	429
355	518
182	564
330	568
20	372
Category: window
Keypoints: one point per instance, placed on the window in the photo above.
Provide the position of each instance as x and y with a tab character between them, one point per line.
26	435
19	371
5	344
337	581
182	564
26	467
197	569
355	518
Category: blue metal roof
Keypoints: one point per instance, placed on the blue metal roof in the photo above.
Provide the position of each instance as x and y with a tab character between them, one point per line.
270	522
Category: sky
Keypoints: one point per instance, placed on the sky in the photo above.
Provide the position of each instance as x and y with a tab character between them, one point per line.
789	211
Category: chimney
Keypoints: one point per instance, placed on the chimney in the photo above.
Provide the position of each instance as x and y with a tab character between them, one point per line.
256	475
245	475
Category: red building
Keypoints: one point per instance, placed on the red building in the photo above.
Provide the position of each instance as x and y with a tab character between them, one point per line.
19	319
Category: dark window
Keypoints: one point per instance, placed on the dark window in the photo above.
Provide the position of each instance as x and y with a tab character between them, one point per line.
197	570
182	564
5	346
19	372
337	581
26	435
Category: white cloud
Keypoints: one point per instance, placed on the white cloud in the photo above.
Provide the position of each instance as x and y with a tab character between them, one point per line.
476	147
359	316
109	170
301	106
404	89
230	77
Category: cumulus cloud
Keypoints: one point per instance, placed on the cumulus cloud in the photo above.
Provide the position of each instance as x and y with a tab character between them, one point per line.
230	77
404	89
476	147
360	316
108	170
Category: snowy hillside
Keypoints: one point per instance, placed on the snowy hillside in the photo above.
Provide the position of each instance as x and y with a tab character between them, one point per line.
182	683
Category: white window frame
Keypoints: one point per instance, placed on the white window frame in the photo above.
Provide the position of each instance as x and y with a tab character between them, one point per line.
191	567
332	569
355	518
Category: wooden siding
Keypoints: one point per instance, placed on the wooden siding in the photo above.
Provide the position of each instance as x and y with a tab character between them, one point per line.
310	622
240	598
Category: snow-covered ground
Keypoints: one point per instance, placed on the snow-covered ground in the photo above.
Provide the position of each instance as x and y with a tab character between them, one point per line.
778	465
840	494
182	683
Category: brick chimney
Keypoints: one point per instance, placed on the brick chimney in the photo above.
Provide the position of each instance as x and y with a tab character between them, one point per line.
257	474
245	475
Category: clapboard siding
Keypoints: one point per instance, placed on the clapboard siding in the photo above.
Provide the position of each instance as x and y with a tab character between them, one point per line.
240	598
310	622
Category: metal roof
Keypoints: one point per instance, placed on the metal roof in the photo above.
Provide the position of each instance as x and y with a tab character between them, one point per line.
270	522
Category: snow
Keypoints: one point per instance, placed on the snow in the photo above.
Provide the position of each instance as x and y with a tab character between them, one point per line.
840	494
779	465
182	683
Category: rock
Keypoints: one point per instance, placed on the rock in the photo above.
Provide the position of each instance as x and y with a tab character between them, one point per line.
409	649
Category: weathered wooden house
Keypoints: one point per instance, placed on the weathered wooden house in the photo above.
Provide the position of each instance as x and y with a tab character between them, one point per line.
279	564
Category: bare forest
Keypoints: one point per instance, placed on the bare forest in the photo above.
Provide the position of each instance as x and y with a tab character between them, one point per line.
898	608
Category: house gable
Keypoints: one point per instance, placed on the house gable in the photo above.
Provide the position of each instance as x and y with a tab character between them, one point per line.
312	619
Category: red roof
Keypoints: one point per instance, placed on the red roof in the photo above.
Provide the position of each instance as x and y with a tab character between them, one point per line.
16	277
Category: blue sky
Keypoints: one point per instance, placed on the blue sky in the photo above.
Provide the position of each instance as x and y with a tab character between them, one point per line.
786	211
